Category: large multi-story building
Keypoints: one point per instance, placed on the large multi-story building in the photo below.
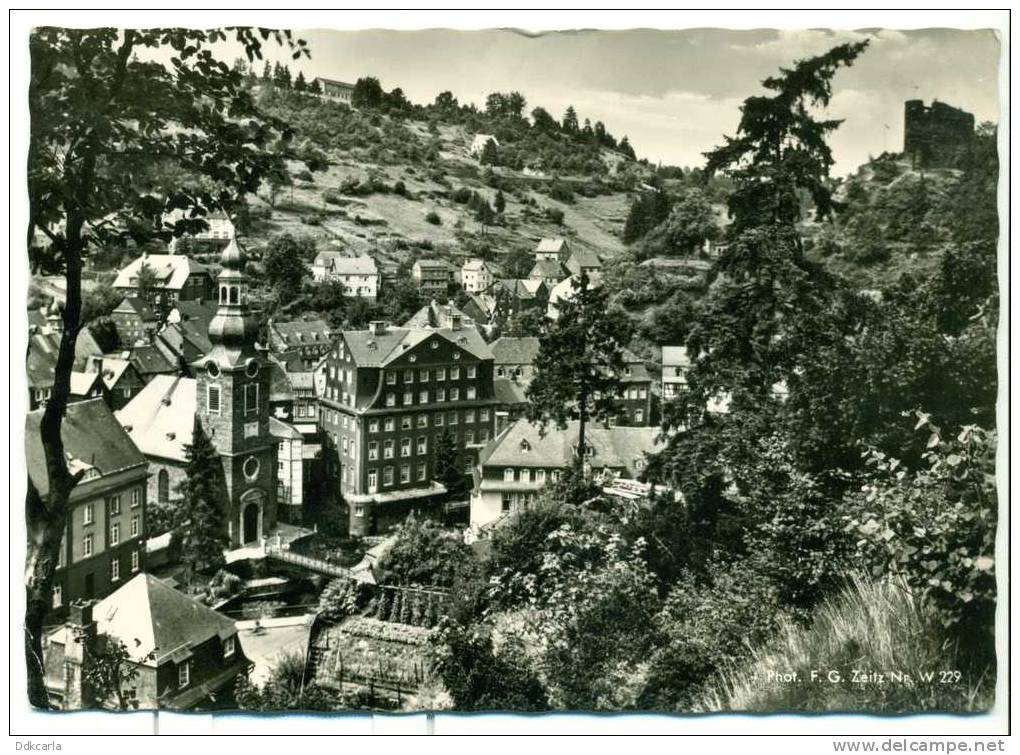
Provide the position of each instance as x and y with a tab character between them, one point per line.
337	91
389	395
433	277
103	542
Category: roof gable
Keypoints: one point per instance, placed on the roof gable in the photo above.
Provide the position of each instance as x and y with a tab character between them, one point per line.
160	418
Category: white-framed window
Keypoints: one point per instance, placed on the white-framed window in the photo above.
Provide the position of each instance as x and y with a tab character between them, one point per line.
423	420
469	416
454	394
388	449
500	372
373	480
114	504
408	376
405	422
387	476
58	596
405	472
423	397
438	419
471	371
642	393
508	474
525	475
453	418
212	399
135	560
391	378
228	646
422	472
90	513
405	446
373	450
134	526
251	398
87	545
423	445
455	373
390	424
373	425
471	393
539	475
184	674
483	435
423	376
441	395
115	570
469	436
115	533
136	497
391	399
343	445
441	374
408	398
639	416
483	415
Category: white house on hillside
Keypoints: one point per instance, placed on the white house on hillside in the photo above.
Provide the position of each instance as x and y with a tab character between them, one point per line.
360	275
479	142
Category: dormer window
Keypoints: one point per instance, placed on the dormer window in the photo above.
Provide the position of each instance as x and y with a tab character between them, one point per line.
525	446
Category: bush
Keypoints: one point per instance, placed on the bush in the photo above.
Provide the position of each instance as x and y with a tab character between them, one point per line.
341	598
305	175
554	214
400	188
874	626
433	218
332	196
561	192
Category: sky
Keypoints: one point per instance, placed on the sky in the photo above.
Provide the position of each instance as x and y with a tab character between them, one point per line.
673	93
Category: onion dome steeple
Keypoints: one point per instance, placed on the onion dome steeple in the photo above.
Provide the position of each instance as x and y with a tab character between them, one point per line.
232	331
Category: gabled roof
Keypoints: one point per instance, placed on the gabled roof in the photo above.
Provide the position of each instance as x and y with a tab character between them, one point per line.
675	356
342	264
550	245
149	360
474	265
41	360
377	350
111	369
432	264
509	392
280	388
523	445
82	383
147	615
281	429
521	288
160	418
136	306
335	82
91	435
171	270
435	315
582	259
510	350
547	268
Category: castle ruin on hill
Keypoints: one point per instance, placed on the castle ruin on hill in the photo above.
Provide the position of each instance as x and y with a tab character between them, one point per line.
933	136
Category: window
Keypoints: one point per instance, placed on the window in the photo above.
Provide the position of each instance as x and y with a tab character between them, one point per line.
405	422
408	398
525	475
388	449
250	468
500	372
505	503
438	420
58	596
373	450
373	480
408	376
184	674
423	445
422	472
405	472
228	647
373	425
441	394
390	424
405	446
87	545
525	446
469	436
134	526
639	416
387	476
423	397
163	486
454	394
471	371
453	418
135	559
423	420
115	570
251	398
114	502
483	435
469	416
441	374
454	373
115	533
391	378
471	393
508	474
89	515
391	399
642	393
483	415
540	475
213	399
343	445
423	376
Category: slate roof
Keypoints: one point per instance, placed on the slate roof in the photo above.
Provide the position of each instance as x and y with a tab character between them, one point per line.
474	265
91	435
280	429
434	315
111	368
675	356
302	332
522	288
172	270
135	305
334	82
550	245
280	388
615	447
343	264
509	392
371	350
150	360
82	383
160	418
41	359
547	268
582	259
509	350
147	614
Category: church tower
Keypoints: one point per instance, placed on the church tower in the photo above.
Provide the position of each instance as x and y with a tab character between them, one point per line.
232	402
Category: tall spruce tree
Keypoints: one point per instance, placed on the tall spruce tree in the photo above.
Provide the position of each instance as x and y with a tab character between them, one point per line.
203	500
448	468
579	363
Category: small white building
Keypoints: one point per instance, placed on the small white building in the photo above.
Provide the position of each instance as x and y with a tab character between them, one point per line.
675	364
475	276
479	142
360	275
221	227
290	475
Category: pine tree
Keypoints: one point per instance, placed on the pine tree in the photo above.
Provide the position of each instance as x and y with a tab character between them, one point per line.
579	363
300	85
267	72
203	501
490	154
500	202
448	469
570	120
315	87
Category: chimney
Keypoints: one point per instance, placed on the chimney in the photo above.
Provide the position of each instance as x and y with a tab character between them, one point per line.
79	637
454	321
377	327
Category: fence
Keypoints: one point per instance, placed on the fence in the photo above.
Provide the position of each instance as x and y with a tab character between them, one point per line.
313	564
